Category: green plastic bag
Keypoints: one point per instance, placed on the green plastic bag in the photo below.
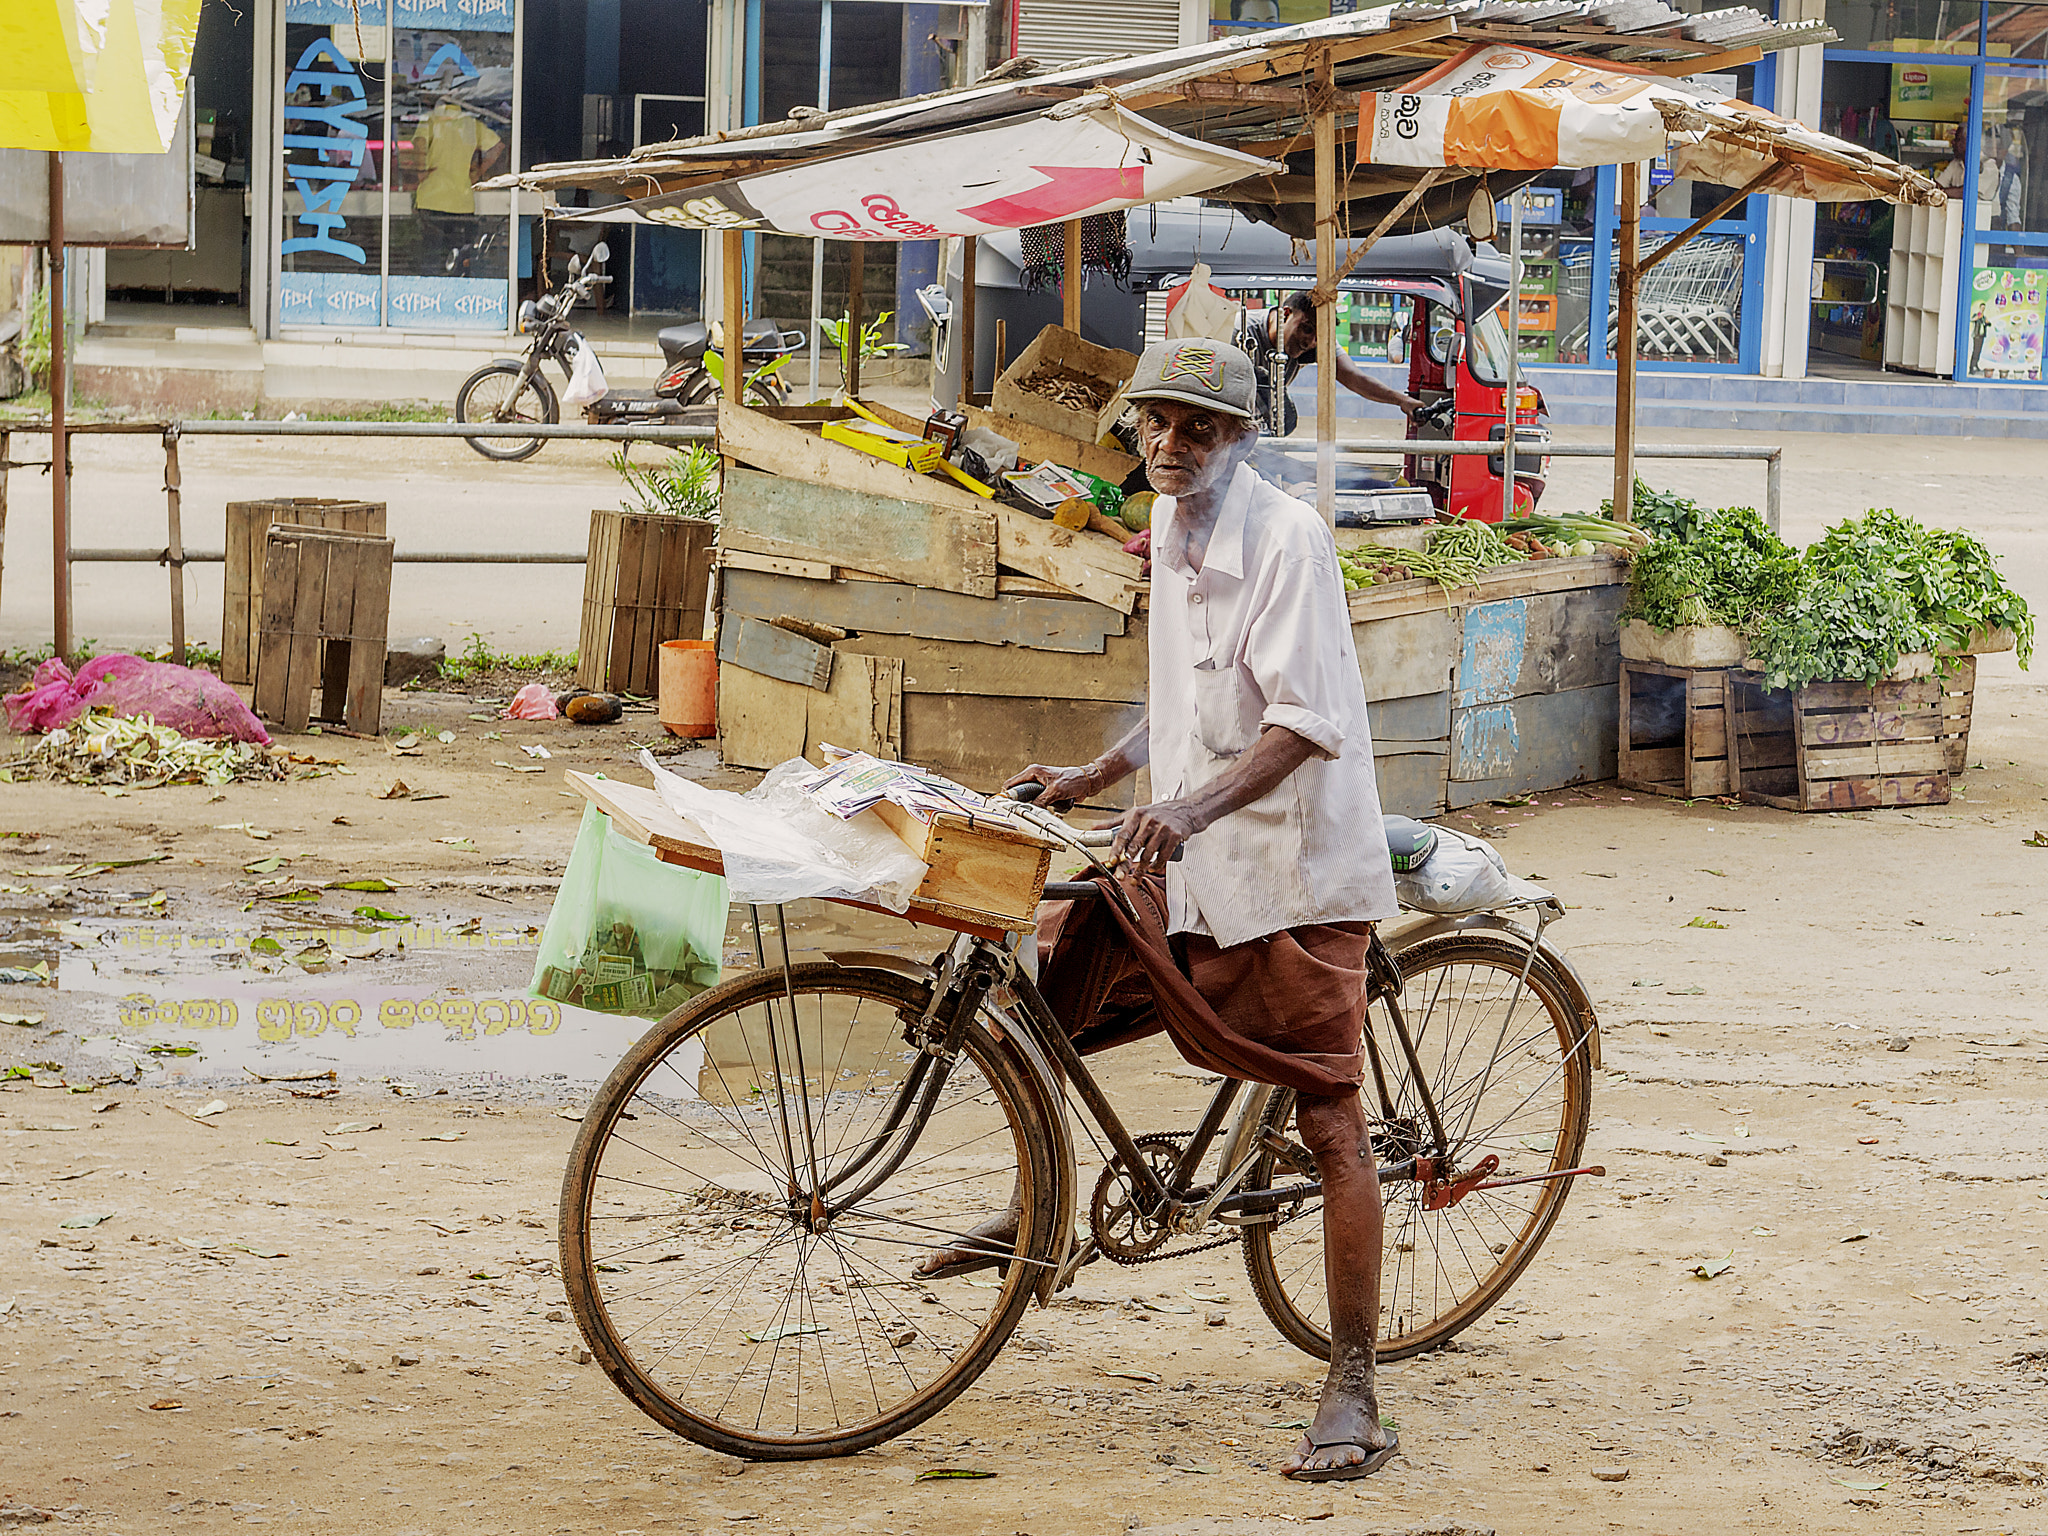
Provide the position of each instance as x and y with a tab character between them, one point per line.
629	934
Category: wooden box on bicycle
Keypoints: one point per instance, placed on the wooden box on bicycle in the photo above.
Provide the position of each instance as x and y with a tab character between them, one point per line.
982	878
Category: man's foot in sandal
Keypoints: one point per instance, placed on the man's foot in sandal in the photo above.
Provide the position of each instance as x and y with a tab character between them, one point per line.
985	1247
1347	1439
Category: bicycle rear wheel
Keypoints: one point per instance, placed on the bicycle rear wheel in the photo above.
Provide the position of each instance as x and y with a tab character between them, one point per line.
765	1312
1507	1068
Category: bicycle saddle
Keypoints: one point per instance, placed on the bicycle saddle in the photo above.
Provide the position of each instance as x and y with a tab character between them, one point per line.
1409	842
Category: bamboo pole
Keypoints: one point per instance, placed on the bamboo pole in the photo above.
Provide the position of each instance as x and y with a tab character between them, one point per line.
1627	277
856	275
174	555
60	444
969	251
1514	389
1325	296
1070	279
735	317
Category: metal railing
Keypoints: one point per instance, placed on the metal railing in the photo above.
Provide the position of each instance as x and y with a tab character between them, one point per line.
174	554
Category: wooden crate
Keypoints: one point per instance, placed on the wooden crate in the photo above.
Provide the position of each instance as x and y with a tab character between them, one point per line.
1958	689
1674	730
644	582
1838	746
325	624
1059	348
241	617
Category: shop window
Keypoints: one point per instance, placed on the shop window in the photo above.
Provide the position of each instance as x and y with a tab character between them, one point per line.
1689	306
1906	26
451	127
332	114
2008	312
2012	153
2017	31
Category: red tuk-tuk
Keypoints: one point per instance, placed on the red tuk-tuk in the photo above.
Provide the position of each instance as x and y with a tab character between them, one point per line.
1431	303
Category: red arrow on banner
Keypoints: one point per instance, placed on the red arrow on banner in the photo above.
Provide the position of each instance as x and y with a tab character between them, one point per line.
1068	189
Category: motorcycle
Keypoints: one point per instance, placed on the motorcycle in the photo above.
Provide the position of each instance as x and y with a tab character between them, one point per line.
509	389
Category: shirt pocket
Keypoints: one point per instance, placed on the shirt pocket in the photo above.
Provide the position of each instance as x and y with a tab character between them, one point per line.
1220	723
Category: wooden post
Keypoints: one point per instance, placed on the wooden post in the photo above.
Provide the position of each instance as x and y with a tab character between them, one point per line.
856	274
1070	279
1326	298
60	444
174	555
970	249
1625	341
735	316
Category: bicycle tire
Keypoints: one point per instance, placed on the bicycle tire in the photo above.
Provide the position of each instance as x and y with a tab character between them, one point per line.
544	407
1421	1310
664	1188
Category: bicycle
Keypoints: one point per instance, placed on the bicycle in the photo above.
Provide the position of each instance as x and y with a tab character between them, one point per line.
753	1182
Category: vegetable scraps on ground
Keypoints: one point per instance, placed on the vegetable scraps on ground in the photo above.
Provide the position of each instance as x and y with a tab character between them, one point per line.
1874	589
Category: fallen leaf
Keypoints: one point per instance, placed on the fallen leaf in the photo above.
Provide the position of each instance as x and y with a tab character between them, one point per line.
536	751
1707	1269
1151	1376
79	1223
369	885
1861	1234
518	767
264	866
1859	1487
217	1107
302	895
1290	1424
1866	1141
446	1136
1705	922
445	737
398	791
458	842
264	944
941	1474
1688	991
251	828
2038	840
379	915
1189	1467
255	1251
27	1020
766	1335
355	1127
171	1048
166	1405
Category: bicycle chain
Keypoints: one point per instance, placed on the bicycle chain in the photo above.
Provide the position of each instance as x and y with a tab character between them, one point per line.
1171	1252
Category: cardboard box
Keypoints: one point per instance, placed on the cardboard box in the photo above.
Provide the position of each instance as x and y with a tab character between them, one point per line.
1058	348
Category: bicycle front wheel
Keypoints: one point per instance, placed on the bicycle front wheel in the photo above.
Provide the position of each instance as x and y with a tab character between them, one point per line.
752	1189
1507	1068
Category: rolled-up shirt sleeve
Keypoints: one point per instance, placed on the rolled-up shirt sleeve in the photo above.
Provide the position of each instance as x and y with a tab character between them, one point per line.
1295	651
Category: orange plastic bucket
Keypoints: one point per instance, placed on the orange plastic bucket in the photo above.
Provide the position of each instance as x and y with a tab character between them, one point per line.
688	688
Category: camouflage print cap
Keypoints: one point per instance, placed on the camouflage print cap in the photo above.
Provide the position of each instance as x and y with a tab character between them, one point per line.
1196	371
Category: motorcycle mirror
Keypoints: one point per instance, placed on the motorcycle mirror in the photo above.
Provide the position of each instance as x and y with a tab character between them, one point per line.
600	253
936	303
1455	349
575	267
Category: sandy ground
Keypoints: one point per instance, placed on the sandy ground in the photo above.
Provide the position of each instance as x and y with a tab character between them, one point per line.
1874	1358
1840	1094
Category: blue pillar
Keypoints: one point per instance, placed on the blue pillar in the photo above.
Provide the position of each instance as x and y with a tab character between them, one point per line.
917	262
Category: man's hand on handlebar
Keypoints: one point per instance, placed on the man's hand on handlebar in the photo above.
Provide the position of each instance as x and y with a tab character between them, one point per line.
1063	786
1148	837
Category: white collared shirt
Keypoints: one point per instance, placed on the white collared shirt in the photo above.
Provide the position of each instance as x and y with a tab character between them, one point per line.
1261	636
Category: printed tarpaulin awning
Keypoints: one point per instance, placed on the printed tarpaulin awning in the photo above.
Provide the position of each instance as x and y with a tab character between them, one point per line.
1037	169
102	75
1505	107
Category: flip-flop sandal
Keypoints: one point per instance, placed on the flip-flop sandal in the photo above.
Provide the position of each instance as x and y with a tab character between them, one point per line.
1374	1460
993	1255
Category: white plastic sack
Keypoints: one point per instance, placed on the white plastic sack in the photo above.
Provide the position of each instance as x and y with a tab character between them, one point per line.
1195	308
1463	874
779	845
586	377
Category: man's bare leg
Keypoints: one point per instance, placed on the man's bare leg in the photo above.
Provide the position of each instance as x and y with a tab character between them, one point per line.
998	1231
1347	1427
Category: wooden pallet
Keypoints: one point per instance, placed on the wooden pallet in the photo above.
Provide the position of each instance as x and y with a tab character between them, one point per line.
1674	730
1839	746
325	620
645	582
241	617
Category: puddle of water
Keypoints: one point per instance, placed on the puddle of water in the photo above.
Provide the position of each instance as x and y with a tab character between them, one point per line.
454	1004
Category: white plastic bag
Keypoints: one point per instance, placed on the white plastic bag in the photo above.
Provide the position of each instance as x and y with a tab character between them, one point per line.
586	377
778	844
1463	874
1195	308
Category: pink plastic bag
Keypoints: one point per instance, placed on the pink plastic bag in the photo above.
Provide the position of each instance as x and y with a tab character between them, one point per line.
190	701
533	702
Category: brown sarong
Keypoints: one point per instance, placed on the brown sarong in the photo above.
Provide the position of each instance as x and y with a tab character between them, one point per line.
1285	1009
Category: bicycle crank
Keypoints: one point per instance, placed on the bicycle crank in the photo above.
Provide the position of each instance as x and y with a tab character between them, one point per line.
1116	1214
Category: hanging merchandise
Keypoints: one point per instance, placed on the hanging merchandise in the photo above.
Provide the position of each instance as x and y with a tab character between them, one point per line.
1197	308
1105	247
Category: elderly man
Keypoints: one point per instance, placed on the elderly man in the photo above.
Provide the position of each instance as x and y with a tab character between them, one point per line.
1262	771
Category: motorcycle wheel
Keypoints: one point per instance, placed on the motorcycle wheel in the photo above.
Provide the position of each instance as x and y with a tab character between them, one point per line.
493	394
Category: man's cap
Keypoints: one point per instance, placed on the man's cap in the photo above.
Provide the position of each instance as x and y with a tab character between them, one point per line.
1196	371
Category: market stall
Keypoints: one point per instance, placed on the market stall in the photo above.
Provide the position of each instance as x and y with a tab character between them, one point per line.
881	589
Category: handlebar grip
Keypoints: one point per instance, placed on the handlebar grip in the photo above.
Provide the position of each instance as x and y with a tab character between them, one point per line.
1025	792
